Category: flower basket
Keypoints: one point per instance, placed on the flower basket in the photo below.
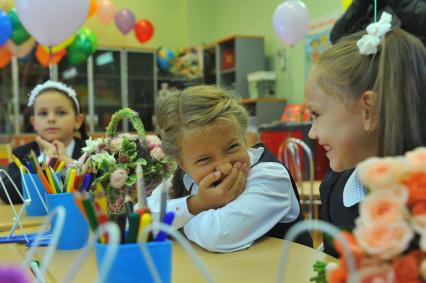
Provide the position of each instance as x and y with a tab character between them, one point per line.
113	160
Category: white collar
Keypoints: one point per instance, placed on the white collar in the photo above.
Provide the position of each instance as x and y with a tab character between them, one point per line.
354	191
69	150
254	154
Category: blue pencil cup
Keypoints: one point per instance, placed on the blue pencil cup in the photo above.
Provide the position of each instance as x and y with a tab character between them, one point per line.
129	264
75	225
36	207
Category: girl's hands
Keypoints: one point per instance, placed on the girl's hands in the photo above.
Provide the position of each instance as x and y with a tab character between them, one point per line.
210	196
53	149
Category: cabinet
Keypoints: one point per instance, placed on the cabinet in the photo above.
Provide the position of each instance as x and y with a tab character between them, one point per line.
228	61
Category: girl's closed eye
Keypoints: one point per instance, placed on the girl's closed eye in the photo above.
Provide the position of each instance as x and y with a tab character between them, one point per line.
202	160
233	147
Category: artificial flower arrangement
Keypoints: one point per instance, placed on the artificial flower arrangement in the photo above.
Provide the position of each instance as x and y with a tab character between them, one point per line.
113	160
388	241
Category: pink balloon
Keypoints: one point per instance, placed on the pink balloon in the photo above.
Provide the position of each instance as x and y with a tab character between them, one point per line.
125	21
291	21
105	11
51	22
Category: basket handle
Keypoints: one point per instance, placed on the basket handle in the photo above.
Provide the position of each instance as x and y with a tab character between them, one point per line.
133	116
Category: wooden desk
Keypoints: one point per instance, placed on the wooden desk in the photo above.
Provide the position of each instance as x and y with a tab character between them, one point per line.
6	217
256	264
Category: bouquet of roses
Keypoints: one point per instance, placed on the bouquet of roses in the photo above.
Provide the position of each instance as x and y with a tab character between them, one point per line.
388	242
113	159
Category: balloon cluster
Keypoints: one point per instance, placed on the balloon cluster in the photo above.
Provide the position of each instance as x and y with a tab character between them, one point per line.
291	21
125	20
59	33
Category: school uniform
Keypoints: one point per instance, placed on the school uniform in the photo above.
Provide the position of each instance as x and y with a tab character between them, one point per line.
340	195
73	150
269	205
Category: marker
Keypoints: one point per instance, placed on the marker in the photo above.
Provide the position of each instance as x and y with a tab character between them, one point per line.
168	220
144	221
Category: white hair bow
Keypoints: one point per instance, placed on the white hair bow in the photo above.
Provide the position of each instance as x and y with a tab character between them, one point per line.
375	32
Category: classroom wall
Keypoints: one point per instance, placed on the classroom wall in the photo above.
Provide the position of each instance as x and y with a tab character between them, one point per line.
183	23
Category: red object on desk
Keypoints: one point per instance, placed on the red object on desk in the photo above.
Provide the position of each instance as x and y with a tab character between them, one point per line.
273	138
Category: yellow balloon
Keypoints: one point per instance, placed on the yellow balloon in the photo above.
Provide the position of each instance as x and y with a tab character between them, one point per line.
6	5
61	46
346	4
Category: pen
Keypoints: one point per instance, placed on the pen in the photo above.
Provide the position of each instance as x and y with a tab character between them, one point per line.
168	219
163	200
35	269
144	221
60	166
133	228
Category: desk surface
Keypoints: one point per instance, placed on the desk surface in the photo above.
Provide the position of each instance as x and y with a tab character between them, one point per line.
6	217
256	264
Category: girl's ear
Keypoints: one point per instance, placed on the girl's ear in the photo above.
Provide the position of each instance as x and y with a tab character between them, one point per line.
78	121
367	103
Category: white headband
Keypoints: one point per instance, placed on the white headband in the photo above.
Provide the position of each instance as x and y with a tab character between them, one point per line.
375	32
53	85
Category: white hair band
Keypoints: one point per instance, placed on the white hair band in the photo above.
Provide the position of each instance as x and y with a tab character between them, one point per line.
368	44
53	85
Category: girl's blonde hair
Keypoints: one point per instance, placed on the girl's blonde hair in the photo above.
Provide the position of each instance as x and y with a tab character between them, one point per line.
396	73
193	108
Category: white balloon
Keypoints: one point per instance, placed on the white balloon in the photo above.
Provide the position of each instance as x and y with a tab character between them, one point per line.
51	22
291	21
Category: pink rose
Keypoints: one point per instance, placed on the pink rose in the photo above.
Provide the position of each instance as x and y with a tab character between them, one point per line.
381	208
118	178
417	160
157	153
383	241
153	141
380	173
115	144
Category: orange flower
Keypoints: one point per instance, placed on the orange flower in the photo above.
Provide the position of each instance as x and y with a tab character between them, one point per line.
419	208
373	271
380	173
381	208
353	247
383	241
406	269
337	275
416	159
416	183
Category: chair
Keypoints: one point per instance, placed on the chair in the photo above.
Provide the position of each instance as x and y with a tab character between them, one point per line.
290	152
5	154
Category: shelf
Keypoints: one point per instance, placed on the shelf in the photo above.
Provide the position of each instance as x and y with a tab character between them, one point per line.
262	99
227	71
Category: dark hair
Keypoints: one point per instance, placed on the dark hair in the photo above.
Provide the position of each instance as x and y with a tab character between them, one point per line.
396	73
82	130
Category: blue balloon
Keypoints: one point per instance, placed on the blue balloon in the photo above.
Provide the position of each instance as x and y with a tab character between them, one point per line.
5	27
165	59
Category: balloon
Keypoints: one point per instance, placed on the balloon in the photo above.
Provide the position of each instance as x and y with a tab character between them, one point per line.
19	33
5	56
291	21
346	4
43	57
6	5
92	37
60	46
125	21
52	21
165	58
144	30
5	27
105	11
80	49
92	8
21	50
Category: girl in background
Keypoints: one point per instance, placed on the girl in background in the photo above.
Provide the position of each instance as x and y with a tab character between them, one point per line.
56	118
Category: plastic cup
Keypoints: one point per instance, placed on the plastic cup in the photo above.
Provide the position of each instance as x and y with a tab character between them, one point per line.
75	231
36	207
129	264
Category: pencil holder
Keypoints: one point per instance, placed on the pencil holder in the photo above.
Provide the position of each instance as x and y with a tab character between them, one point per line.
76	229
130	265
37	194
